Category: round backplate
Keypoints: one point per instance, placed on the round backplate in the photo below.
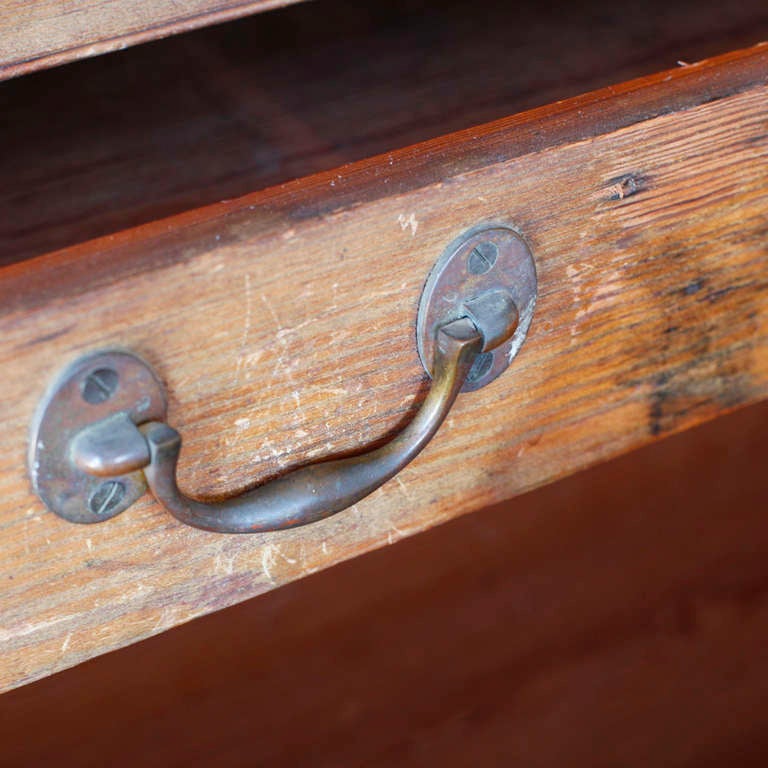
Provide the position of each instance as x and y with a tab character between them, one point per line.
487	257
92	388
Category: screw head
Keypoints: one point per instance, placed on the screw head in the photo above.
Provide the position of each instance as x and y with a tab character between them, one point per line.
106	497
480	367
482	257
99	385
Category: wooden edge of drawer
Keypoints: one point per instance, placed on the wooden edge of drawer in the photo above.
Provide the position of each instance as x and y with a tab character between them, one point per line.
282	324
47	34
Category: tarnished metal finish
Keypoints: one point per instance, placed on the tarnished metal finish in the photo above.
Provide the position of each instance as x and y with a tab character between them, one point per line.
489	261
494	313
318	490
112	446
95	388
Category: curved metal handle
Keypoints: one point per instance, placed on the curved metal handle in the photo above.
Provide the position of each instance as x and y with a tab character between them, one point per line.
99	438
319	490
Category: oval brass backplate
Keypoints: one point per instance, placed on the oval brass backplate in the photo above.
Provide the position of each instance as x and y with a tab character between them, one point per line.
94	387
486	258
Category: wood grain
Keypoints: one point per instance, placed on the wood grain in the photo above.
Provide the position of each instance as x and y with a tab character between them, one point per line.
617	617
219	113
282	324
47	33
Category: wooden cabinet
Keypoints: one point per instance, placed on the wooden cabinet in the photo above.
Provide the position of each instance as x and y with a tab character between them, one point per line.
246	208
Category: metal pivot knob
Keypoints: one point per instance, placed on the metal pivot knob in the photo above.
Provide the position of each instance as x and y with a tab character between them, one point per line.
100	436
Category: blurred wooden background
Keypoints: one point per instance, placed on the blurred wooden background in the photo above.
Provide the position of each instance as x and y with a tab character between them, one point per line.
624	623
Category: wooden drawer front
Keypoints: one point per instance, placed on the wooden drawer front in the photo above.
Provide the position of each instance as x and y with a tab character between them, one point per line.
283	326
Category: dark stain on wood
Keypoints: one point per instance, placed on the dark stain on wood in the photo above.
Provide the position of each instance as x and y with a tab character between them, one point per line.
709	378
47	337
659	397
693	287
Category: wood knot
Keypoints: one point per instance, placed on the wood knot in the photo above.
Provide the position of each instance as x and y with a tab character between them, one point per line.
627	185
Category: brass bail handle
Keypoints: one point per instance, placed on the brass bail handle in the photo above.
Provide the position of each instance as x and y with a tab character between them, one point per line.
117	445
101	438
318	490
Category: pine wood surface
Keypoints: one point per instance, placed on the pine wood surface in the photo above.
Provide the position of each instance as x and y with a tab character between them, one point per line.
617	617
282	324
47	33
121	140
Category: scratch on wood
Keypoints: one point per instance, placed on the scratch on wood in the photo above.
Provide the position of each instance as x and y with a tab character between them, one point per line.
408	221
241	358
280	365
65	644
223	564
403	488
6	635
578	281
394	533
287	331
268	304
169	616
269	559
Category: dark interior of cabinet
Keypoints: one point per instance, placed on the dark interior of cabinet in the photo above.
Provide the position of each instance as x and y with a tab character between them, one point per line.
616	618
112	142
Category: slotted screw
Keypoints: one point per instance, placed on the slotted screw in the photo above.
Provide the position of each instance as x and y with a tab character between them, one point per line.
106	497
100	385
483	257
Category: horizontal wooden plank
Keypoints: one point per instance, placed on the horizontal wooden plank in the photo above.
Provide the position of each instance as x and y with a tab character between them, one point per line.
282	324
160	129
47	33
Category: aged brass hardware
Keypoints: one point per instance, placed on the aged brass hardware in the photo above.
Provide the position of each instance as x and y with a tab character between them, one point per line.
70	407
100	436
483	265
